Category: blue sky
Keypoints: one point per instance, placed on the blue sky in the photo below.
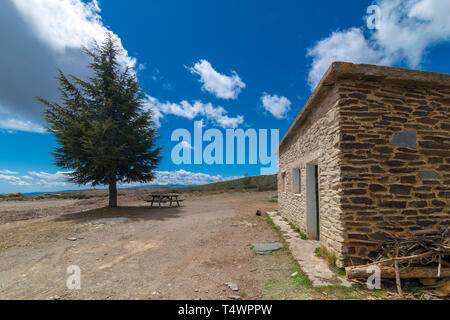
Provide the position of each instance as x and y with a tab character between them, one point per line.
234	64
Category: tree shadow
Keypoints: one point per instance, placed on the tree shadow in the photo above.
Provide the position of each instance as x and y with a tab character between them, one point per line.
132	213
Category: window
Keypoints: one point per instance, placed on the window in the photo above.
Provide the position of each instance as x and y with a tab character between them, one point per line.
297	181
283	182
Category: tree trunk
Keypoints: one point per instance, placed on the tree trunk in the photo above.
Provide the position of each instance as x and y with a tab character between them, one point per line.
113	194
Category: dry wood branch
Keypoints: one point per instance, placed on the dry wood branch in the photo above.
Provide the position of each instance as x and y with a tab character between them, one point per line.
397	273
361	272
417	254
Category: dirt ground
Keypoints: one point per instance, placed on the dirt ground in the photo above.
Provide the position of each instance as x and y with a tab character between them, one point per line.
169	253
149	253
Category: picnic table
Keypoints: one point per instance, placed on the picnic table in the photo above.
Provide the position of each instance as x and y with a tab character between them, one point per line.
165	198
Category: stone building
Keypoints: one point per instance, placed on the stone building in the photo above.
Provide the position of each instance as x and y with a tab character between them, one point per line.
369	154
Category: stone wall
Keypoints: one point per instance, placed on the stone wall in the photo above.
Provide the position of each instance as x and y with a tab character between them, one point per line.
395	142
315	141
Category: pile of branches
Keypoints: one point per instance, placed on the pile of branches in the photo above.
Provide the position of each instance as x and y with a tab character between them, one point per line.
423	254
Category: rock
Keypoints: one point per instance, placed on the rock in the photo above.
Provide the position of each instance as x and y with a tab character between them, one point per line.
430	175
234	297
405	139
400	189
72	239
393	204
195	290
258	213
377	188
267	248
232	286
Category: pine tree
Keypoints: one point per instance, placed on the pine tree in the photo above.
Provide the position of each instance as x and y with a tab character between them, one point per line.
104	135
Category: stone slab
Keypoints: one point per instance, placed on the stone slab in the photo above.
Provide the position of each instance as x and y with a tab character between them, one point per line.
429	175
267	248
405	139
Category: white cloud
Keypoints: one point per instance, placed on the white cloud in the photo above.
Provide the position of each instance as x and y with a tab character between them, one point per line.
49	176
42	35
222	86
21	125
192	110
14	180
48	180
187	145
8	172
183	178
407	29
350	46
68	24
276	105
52	184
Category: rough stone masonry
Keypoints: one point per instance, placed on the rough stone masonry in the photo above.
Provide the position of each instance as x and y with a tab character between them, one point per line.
380	138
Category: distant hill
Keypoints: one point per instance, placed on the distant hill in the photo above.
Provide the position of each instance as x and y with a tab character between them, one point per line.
257	183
